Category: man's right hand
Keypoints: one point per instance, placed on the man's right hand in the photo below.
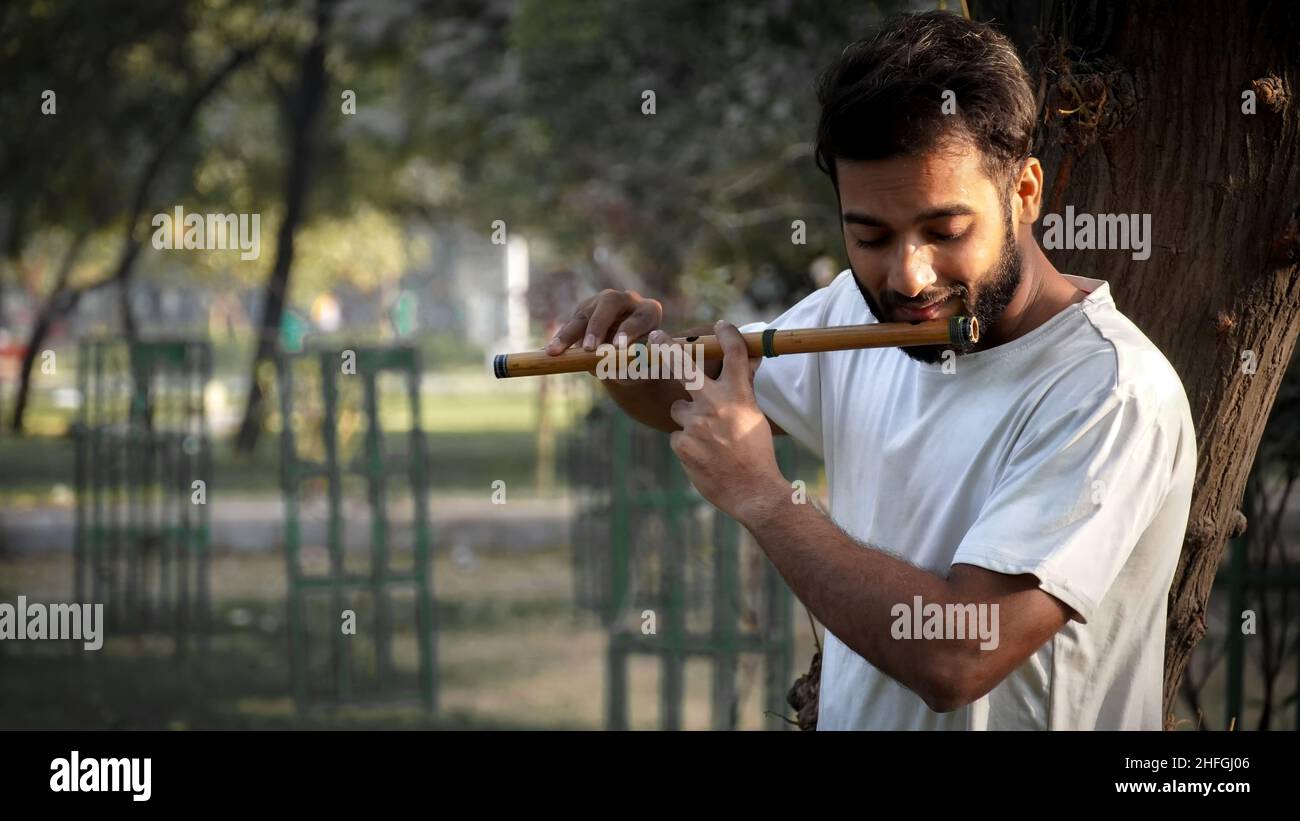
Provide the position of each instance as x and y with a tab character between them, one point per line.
621	317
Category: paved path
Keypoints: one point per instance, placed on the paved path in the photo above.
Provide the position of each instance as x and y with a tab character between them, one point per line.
258	524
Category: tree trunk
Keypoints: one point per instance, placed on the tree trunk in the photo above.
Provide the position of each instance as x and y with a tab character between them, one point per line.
303	108
61	301
11	246
1156	126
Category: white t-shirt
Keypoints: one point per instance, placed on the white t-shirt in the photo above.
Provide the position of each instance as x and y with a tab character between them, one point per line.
1068	453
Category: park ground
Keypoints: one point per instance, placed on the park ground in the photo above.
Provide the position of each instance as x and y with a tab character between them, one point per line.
515	649
514	653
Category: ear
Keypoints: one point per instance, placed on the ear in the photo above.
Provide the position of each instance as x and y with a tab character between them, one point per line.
1027	196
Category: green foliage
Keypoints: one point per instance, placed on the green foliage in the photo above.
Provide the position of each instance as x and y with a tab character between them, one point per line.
712	180
529	111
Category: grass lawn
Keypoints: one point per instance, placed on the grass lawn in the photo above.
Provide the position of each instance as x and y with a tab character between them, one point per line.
474	437
513	653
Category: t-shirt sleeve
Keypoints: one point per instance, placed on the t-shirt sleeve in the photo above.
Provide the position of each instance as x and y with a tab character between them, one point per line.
789	388
1075	497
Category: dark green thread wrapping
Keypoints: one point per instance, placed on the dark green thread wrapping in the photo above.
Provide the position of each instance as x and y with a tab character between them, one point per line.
959	330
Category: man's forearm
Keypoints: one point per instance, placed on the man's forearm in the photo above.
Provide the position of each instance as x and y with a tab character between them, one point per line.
852	589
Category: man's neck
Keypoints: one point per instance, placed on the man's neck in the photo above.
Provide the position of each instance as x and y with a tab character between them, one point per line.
1043	293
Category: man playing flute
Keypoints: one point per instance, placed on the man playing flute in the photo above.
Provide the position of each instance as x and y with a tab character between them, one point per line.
1042	477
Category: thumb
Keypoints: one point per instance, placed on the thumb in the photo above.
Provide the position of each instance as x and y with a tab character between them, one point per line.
735	354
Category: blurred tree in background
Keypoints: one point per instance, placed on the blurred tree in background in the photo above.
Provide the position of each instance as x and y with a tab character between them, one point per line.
535	113
662	146
100	104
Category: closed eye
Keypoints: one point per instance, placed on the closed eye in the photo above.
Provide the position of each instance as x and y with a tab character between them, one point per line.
872	243
937	236
945	237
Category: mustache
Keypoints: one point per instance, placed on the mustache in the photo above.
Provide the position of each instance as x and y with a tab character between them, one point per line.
892	300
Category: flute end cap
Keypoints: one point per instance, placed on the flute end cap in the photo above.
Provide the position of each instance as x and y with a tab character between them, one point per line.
499	366
964	330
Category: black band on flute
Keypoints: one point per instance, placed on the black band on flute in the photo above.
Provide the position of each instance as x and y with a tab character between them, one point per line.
767	342
499	366
959	330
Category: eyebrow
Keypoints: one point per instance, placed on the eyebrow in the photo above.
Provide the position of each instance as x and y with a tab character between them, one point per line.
952	209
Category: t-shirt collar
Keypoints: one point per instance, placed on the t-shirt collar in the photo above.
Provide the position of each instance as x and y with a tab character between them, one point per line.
1098	291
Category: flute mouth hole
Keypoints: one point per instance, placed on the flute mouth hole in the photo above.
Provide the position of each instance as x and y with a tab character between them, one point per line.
974	330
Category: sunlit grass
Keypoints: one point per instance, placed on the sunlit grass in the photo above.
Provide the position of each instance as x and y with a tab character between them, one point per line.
484	434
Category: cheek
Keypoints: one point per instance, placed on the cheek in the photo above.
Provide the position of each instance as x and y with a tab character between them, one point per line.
868	265
968	262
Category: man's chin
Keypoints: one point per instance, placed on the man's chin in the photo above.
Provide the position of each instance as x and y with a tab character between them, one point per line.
929	354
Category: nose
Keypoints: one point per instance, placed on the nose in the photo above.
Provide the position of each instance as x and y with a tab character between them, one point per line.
911	273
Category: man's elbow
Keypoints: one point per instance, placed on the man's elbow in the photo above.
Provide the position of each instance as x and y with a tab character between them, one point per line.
945	699
956	680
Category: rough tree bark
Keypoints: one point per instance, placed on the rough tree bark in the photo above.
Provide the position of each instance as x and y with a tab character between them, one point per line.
1156	126
302	108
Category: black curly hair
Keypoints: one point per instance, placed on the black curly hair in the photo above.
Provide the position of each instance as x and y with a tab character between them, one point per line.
884	95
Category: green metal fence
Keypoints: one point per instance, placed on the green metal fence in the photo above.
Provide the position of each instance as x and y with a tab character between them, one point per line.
143	476
1261	576
346	429
650	552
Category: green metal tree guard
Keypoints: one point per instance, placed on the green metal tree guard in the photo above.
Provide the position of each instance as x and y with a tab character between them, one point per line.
364	668
1251	582
644	540
143	475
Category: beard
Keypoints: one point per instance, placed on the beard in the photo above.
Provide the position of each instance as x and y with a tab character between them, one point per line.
997	287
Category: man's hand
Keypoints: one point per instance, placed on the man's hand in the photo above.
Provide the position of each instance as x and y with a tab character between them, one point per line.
725	443
620	317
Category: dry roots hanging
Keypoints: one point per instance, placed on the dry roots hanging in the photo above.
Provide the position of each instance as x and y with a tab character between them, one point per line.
803	695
